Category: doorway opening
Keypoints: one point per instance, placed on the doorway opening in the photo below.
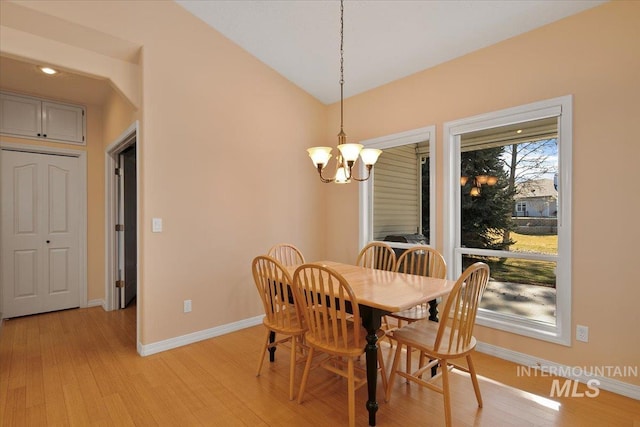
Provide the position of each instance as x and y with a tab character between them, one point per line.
126	233
122	222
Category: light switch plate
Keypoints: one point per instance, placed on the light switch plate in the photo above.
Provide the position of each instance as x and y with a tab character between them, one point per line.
582	333
156	225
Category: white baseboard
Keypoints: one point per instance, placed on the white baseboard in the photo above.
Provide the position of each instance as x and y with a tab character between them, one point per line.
95	303
157	347
605	383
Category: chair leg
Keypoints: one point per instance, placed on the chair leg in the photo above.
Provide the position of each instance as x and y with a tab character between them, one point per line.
474	380
305	375
445	392
292	366
408	368
394	368
262	354
352	393
421	360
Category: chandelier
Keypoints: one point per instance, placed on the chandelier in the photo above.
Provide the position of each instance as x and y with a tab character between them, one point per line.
477	182
348	153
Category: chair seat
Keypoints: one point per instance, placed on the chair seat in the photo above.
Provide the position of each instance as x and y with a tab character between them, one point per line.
422	336
412	314
294	328
353	350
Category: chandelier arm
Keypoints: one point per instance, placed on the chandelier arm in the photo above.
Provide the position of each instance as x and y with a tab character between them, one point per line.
369	167
322	178
348	165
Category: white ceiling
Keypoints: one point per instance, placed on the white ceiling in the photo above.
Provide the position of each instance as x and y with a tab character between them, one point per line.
383	40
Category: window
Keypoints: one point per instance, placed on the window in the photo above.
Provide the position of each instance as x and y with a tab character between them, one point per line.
501	160
396	204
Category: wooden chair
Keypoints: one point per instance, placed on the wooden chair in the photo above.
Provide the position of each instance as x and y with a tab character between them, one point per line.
325	299
421	261
287	254
450	339
377	255
282	315
380	256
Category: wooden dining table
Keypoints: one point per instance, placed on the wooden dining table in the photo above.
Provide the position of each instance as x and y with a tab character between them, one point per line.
379	293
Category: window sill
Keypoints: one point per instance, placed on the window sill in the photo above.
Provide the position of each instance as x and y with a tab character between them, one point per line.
522	326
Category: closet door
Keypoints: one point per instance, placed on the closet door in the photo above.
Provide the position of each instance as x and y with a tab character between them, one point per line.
40	236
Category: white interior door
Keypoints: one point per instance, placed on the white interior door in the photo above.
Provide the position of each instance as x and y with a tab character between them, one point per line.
40	233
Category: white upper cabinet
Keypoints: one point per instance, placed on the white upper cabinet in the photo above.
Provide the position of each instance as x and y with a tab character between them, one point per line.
20	115
36	118
62	121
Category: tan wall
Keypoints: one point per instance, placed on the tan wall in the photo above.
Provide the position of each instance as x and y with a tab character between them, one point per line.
596	57
224	165
222	140
95	205
118	115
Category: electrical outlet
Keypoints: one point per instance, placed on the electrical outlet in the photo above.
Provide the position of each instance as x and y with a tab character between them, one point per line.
582	333
187	306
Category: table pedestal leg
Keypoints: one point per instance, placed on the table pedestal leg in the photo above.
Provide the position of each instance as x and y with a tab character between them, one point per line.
433	316
272	350
371	320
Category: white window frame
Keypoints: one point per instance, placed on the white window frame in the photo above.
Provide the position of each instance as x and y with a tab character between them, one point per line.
413	136
557	107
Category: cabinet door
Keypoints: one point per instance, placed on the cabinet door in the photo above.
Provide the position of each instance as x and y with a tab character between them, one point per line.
62	122
20	116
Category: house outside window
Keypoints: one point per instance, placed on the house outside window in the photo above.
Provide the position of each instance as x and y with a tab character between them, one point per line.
522	150
537	198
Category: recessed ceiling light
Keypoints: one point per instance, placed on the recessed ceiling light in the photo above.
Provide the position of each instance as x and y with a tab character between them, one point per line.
519	131
48	70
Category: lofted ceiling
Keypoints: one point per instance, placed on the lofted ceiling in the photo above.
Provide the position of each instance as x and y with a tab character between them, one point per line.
384	40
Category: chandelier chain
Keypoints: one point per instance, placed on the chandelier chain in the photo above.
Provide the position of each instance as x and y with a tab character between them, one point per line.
348	153
341	60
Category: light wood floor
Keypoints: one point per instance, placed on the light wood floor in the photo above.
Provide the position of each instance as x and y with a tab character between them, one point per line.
80	367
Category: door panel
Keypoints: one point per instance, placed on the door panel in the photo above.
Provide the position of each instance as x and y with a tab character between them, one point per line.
25	180
25	264
58	209
40	235
58	272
